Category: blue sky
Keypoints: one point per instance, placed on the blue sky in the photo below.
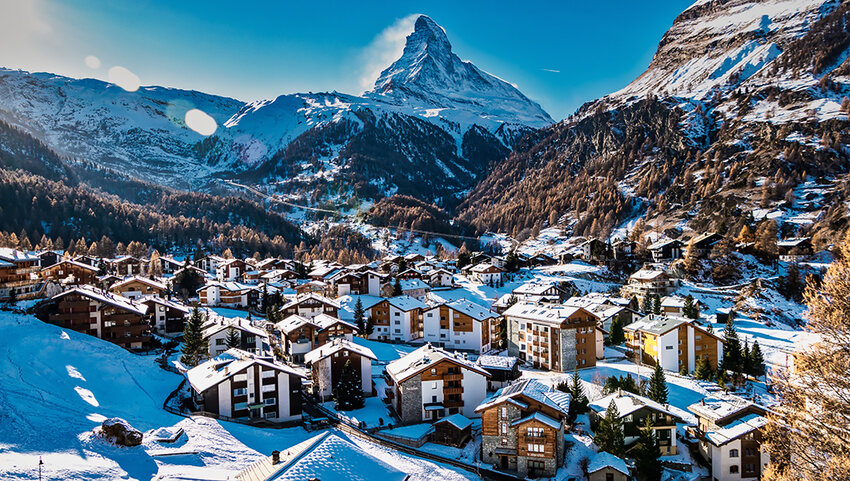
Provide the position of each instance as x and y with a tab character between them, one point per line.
560	54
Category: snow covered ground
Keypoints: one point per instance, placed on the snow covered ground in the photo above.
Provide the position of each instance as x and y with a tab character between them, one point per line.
56	386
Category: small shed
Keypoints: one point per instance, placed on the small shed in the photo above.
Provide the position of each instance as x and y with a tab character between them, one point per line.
607	467
454	430
724	314
503	370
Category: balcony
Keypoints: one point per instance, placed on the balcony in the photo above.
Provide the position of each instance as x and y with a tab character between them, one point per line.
452	390
452	377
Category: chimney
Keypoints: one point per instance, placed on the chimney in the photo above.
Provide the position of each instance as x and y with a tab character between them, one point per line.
275	457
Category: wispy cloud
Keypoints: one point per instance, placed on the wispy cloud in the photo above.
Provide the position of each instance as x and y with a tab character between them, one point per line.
550	70
385	49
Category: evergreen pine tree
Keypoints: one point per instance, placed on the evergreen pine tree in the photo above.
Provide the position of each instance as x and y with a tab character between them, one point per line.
617	336
609	432
756	361
578	400
703	370
731	349
358	316
348	394
691	308
647	304
656	306
646	453
658	385
746	359
397	288
195	347
232	339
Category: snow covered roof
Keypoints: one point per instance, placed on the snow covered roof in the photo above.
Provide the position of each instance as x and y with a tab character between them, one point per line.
647	274
673	301
660	244
532	389
325	321
793	242
218	324
424	357
540	417
485	266
472	309
604	460
143	280
534	288
338	345
14	255
721	407
553	314
230	286
227	364
457	420
311	295
736	429
115	300
628	403
496	362
411	284
656	324
74	263
294	322
166	302
347	303
406	303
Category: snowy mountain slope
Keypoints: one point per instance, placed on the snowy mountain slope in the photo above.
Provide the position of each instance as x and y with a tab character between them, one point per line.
743	103
434	116
142	132
717	44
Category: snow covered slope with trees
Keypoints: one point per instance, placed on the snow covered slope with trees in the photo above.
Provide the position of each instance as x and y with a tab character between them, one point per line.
743	108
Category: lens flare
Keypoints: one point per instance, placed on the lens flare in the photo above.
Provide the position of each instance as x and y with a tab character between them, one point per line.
92	62
124	78
200	122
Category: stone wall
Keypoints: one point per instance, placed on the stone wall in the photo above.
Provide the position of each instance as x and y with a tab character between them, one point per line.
568	350
411	400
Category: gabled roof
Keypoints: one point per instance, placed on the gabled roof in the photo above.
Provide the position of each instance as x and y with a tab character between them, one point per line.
793	242
226	365
230	286
719	408
166	302
325	321
540	417
472	309
423	358
310	295
338	345
217	324
627	403
326	457
604	460
736	429
663	243
457	420
114	300
294	322
81	265
647	274
411	284
530	389
656	324
406	303
143	280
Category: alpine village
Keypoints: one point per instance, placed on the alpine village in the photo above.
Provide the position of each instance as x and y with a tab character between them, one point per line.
434	279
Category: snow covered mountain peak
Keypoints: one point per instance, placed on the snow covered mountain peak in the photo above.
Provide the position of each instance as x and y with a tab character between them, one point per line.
430	75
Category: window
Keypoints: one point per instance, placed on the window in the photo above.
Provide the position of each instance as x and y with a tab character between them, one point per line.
733	453
733	468
240	377
270	401
669	348
219	342
434	385
609	476
536	448
433	371
269	388
503	428
433	399
535	432
749	468
240	392
503	412
240	406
